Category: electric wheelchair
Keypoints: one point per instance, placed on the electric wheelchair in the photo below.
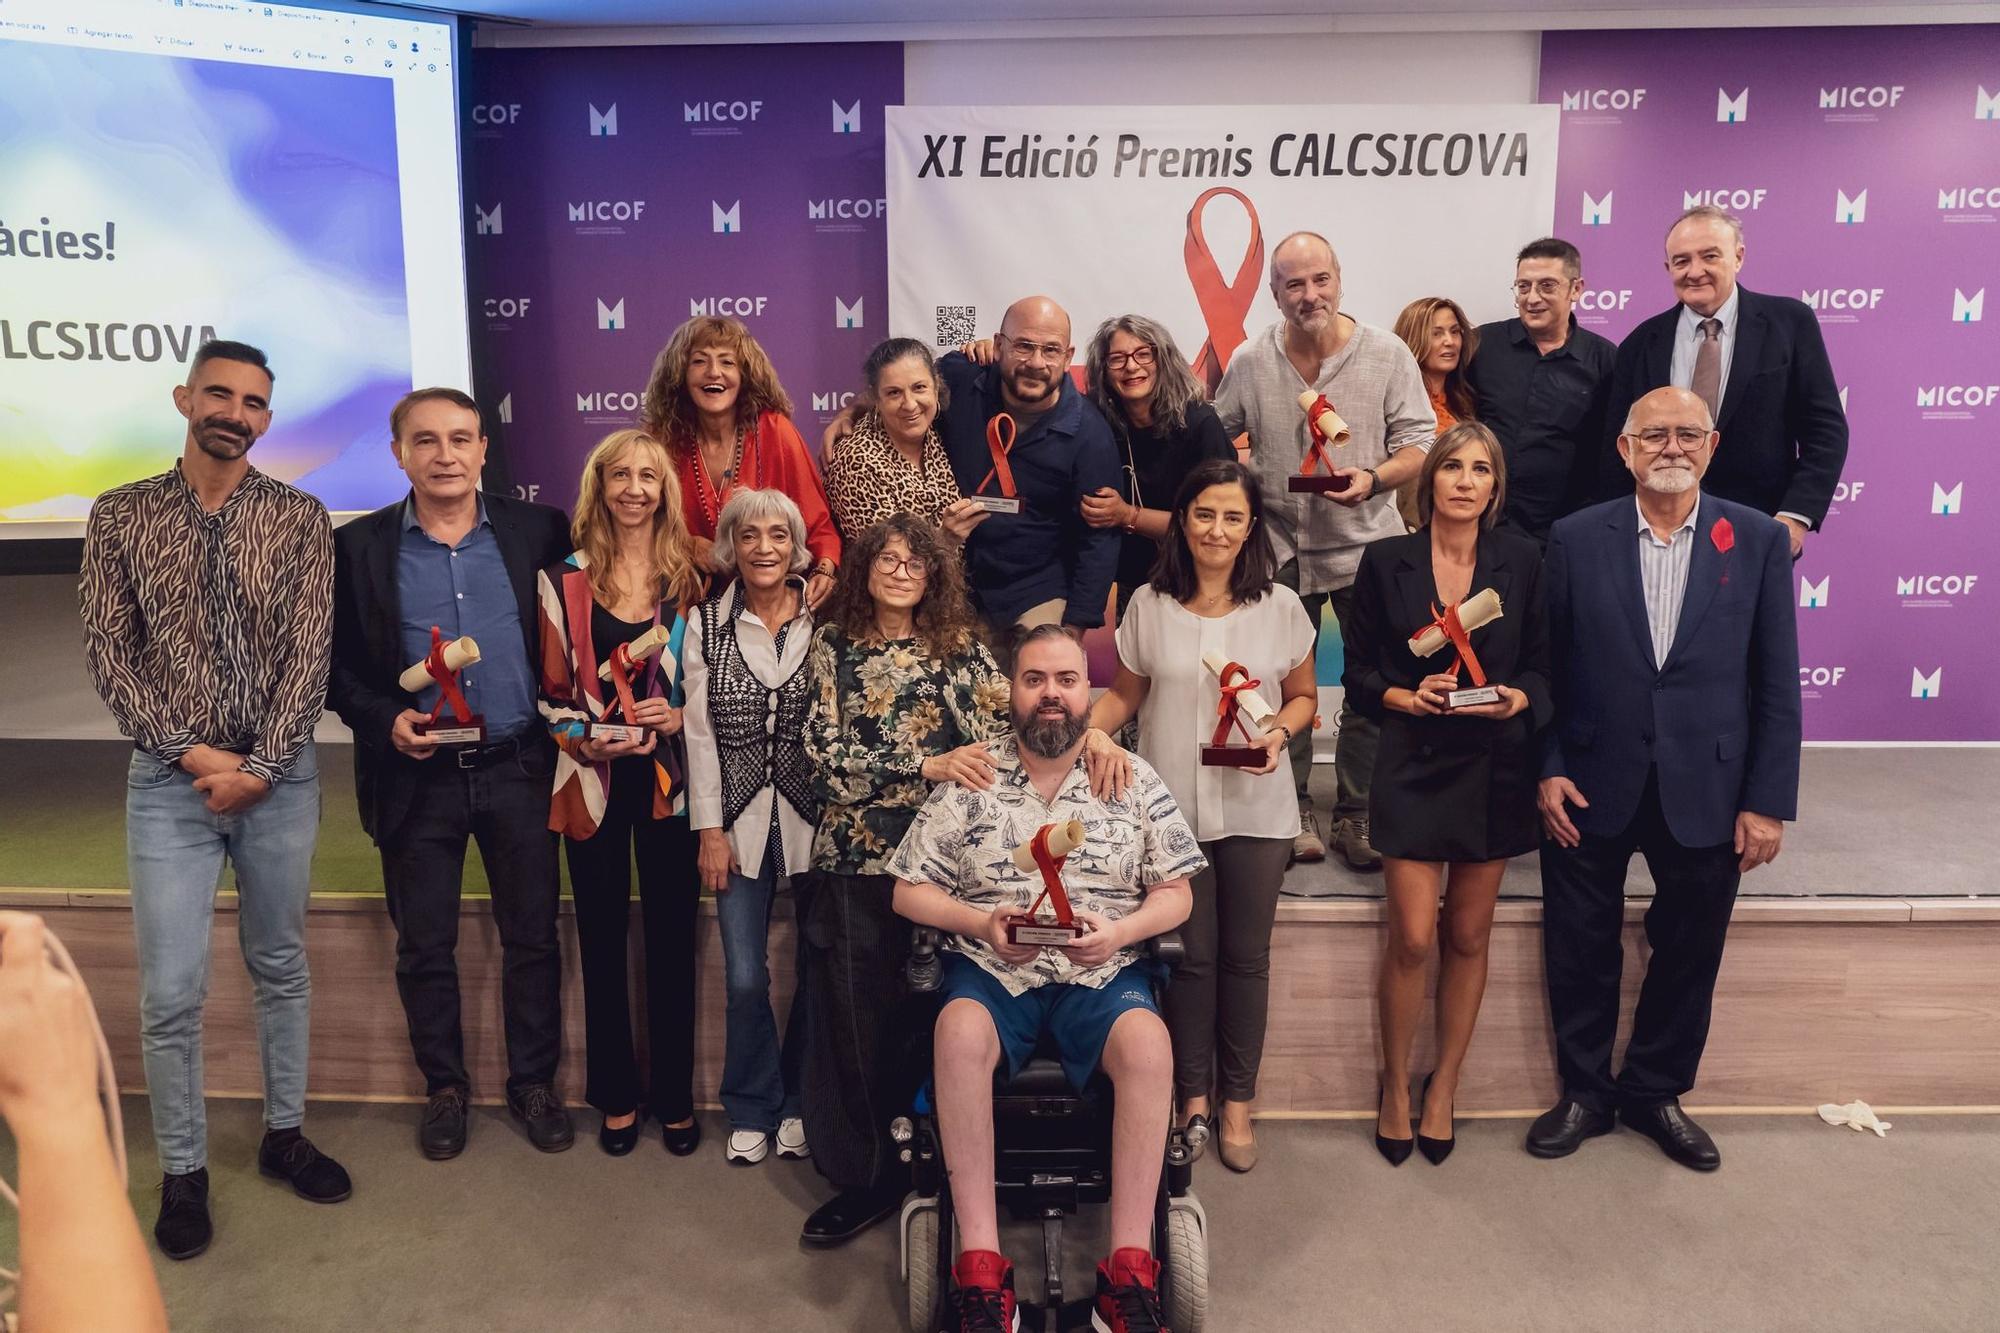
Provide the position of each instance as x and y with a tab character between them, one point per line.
1051	1155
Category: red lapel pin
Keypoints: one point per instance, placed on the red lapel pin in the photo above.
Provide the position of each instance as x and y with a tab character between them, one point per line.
1723	535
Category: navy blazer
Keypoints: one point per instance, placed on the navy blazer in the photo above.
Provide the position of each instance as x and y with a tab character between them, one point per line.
1784	432
1720	718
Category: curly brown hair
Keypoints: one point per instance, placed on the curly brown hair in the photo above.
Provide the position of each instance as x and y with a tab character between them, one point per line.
945	623
668	413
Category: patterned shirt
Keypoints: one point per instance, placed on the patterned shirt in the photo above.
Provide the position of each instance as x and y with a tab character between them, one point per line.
210	629
880	710
963	842
870	479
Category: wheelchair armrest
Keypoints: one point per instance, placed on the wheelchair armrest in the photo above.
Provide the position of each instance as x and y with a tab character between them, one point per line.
1167	947
922	972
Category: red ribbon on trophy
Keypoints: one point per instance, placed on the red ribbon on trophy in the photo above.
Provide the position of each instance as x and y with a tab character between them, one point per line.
1447	621
1227	708
1000	433
1448	626
1316	454
449	695
1050	864
1046	851
621	669
1224	305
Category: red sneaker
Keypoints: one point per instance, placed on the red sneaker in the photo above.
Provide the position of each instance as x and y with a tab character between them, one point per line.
983	1298
1128	1298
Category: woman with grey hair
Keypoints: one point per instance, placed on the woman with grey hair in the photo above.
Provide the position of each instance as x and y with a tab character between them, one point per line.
1141	382
750	793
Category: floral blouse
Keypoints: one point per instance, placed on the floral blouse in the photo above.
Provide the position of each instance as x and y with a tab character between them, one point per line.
879	711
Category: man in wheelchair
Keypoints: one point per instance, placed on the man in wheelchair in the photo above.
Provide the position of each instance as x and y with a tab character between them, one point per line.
1093	1000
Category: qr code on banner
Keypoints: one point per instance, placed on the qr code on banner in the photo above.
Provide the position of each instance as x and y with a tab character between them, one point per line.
957	324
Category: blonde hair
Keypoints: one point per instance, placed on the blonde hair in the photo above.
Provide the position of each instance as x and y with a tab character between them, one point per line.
1449	445
668	412
673	547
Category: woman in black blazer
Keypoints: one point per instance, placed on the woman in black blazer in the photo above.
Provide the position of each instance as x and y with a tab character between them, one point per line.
1454	788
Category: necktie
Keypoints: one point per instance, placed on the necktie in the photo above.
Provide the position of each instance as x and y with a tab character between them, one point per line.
1707	384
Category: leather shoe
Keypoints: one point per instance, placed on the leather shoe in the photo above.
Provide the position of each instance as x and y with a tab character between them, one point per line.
1676	1132
618	1142
313	1175
541	1113
1561	1130
184	1229
849	1213
681	1140
441	1133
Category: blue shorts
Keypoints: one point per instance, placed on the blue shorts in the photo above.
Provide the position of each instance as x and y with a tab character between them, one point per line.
1077	1019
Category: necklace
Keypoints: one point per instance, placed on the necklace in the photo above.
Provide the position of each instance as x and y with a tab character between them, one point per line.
710	495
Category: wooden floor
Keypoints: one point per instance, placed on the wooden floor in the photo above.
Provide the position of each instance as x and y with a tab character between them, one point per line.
1892	1001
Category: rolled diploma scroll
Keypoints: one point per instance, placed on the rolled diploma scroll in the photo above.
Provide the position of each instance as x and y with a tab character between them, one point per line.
1330	424
1474	611
458	655
1064	838
1248	701
641	648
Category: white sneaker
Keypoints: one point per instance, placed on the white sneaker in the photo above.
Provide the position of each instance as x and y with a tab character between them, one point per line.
746	1147
792	1139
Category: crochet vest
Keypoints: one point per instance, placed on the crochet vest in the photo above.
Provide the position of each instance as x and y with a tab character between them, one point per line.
759	731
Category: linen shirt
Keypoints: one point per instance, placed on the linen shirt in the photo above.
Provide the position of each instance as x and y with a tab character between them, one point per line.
963	841
1164	641
1663	576
210	628
1374	384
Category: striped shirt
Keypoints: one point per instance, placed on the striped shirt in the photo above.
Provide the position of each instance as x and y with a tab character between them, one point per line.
1663	574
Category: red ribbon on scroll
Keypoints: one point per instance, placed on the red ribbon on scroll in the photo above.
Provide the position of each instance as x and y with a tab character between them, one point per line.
1223	304
449	695
621	680
1052	885
1226	709
1316	453
999	442
1447	620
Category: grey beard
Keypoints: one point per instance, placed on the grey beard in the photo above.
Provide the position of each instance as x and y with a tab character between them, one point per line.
1049	738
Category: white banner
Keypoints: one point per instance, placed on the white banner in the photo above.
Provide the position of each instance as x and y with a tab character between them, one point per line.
1173	211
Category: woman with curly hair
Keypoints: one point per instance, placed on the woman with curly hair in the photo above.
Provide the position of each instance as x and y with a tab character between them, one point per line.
714	400
905	695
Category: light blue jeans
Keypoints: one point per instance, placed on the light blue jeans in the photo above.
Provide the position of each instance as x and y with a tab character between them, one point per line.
760	1073
175	848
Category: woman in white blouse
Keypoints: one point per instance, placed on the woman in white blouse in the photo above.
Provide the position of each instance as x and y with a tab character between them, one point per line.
1212	594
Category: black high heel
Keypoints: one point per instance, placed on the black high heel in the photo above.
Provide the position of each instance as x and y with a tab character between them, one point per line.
1394	1151
1437	1149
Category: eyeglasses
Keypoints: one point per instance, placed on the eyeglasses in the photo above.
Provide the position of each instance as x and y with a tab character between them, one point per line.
888	562
1654	439
1542	286
1021	351
1142	356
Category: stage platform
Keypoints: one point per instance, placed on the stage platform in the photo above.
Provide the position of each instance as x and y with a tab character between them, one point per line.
1860	966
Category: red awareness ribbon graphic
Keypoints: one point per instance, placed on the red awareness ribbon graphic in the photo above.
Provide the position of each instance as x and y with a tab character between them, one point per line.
621	680
1052	885
1226	710
449	695
1447	620
1316	453
1223	304
1001	425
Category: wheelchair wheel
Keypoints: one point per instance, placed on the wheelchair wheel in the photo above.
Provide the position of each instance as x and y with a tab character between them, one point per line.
922	1278
1186	1267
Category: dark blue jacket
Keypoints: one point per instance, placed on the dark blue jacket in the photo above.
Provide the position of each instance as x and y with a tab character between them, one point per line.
1720	718
1016	561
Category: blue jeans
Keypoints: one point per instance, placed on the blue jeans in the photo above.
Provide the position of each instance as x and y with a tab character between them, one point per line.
175	849
760	1075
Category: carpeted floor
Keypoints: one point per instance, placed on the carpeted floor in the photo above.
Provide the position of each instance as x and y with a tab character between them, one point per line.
1806	1227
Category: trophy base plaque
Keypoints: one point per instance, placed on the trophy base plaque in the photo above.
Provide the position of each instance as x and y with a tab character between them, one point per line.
1315	484
472	731
1472	698
996	504
1046	934
1233	756
615	733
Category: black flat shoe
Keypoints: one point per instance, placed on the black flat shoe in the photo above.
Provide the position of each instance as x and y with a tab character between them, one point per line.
1561	1130
184	1229
1436	1149
1394	1151
618	1142
1677	1134
848	1214
313	1175
682	1140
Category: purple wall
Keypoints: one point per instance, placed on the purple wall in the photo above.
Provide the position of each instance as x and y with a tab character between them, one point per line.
1865	164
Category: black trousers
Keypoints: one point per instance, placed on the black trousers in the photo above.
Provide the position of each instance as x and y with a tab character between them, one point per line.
600	877
1220	998
505	809
1583	912
861	1065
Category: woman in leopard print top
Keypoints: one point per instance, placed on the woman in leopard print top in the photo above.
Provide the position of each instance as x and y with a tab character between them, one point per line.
893	461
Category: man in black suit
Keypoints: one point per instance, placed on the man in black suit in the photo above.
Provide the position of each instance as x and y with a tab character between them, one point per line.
1757	361
1675	670
450	561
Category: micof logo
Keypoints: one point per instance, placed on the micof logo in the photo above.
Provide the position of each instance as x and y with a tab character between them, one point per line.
846	316
508	307
1812	595
611	316
1934	589
604	124
1732	110
1743	200
1926	687
1821	676
1947	501
1944	398
740	306
607	210
708	113
847	119
505	410
1843	298
728	221
1860	98
832	402
1986	106
1597	212
486	222
1603	99
1969	198
846	210
1847	209
1964	309
609	400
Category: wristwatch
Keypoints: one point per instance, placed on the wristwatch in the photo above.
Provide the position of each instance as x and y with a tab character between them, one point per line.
1374	482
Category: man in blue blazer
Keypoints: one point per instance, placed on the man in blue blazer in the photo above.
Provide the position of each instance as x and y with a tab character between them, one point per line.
1758	362
1676	686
